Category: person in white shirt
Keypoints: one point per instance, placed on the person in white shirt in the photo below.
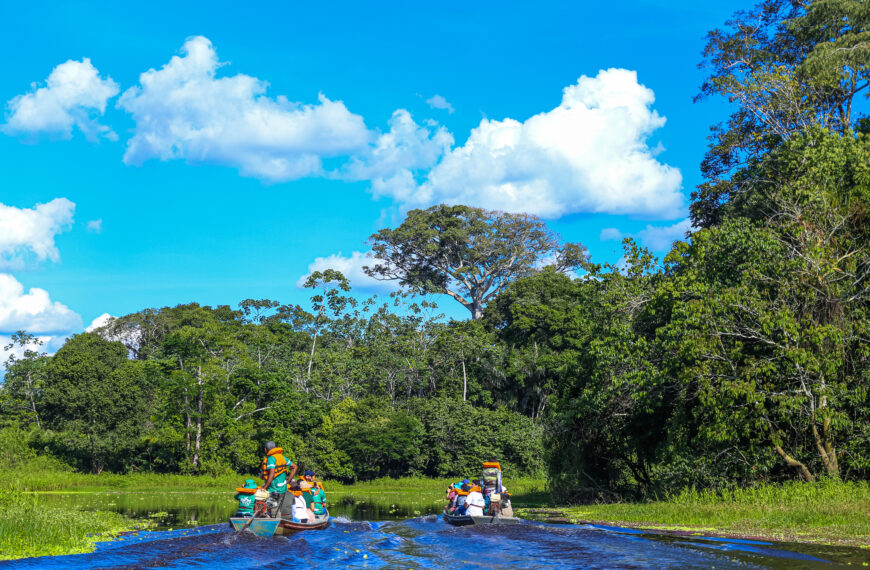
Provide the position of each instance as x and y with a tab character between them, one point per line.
299	510
475	502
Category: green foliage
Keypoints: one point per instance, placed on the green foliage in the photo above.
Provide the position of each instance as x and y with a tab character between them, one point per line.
827	511
27	530
468	253
94	403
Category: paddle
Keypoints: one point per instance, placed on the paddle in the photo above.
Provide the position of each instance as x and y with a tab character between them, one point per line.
247	524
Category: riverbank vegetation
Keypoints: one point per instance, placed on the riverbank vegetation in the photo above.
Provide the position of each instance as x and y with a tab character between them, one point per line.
825	512
740	360
28	529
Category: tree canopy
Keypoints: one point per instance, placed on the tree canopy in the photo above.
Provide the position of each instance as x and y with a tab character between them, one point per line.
468	253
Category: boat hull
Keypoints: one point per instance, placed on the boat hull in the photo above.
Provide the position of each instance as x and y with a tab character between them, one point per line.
287	526
263	526
465	520
259	526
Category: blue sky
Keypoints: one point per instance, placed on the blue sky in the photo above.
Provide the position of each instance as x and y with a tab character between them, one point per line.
326	129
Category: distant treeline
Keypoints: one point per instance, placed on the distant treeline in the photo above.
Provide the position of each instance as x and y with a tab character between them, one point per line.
741	357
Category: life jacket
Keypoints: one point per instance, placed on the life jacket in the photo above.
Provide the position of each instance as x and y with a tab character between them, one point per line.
245	490
280	462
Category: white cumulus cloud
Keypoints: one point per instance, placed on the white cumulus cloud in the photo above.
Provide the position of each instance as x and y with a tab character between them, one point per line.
439	102
95	226
28	233
33	311
611	234
589	154
73	96
100	321
396	156
352	268
658	238
184	111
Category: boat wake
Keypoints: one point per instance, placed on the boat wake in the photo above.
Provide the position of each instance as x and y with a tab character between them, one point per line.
425	542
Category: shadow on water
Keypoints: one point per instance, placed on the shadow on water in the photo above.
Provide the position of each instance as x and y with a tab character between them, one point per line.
402	538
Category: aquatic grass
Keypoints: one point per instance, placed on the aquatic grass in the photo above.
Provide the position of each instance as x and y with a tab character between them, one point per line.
827	511
70	482
28	529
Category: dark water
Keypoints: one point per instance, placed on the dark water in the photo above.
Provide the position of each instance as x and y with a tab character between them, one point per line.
168	510
424	542
414	538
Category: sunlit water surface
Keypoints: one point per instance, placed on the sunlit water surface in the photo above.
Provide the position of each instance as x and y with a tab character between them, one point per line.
414	539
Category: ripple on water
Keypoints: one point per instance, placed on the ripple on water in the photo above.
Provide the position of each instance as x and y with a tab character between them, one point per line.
425	542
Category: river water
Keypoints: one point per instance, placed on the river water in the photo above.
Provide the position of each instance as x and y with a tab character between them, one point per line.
424	541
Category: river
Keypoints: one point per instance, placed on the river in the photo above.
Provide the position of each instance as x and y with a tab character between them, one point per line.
405	541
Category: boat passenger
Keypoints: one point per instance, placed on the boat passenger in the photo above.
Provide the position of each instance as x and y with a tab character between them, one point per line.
475	502
310	477
495	493
274	470
245	497
453	494
315	497
298	511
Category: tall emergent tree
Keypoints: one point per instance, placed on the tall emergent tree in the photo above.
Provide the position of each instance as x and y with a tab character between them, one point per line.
788	66
468	253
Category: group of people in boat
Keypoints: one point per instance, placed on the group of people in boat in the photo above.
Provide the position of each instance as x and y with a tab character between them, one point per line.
271	499
485	497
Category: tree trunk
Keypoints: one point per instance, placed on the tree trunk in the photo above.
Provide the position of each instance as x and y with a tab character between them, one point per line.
32	401
188	421
476	310
199	382
464	381
311	356
792	462
823	441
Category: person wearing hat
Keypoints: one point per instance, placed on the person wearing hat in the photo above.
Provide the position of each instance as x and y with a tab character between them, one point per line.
313	493
245	497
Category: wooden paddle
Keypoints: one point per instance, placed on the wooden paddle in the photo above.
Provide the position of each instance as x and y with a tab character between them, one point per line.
247	524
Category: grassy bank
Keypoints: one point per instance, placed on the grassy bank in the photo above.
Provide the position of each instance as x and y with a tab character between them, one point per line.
825	512
71	482
26	530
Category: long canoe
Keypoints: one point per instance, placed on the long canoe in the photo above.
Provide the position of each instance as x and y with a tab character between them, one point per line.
269	526
465	520
287	526
260	526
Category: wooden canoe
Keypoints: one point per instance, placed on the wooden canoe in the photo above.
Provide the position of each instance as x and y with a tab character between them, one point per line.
287	526
465	520
267	526
260	526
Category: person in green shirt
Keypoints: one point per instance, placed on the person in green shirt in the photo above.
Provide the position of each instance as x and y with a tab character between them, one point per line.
246	499
274	470
314	495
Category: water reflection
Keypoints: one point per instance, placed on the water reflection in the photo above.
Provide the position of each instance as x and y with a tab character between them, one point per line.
178	510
